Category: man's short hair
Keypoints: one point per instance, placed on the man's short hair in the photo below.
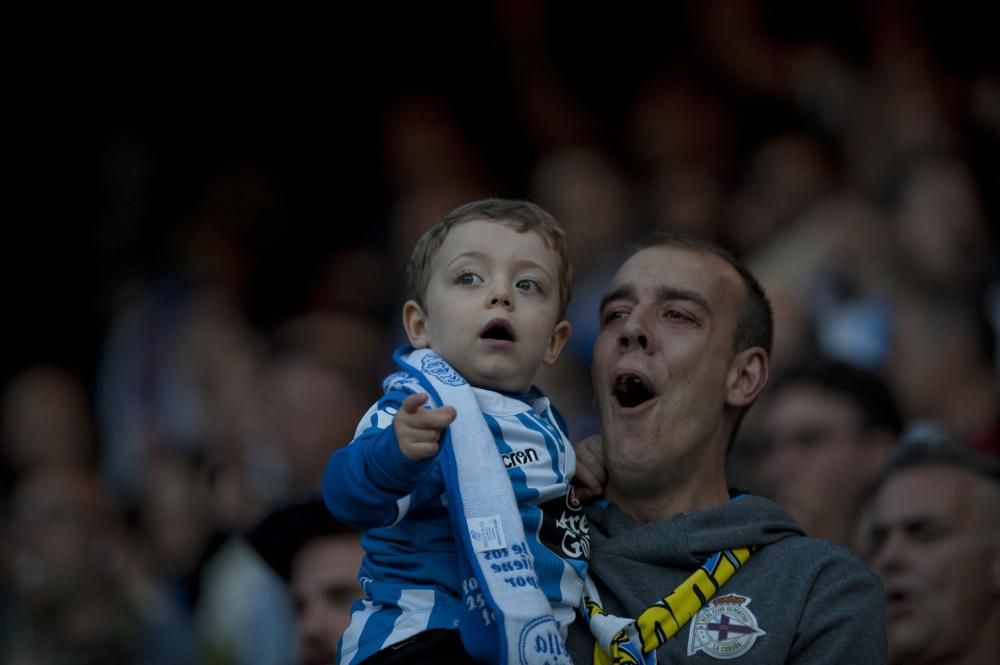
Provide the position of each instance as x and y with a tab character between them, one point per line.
920	453
522	216
866	390
280	534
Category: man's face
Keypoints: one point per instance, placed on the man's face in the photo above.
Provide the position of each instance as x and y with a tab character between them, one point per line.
820	460
492	305
324	584
929	540
661	362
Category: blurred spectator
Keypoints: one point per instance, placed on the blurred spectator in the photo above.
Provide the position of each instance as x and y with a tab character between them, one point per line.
941	363
46	421
241	611
941	228
685	199
177	372
338	338
933	536
592	201
355	280
319	560
80	592
786	174
176	524
321	375
243	614
677	122
828	430
826	276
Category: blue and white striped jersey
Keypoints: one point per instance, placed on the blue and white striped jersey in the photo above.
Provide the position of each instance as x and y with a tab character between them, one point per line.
410	572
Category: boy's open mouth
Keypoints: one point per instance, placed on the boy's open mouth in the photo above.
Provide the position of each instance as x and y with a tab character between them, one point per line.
498	329
631	390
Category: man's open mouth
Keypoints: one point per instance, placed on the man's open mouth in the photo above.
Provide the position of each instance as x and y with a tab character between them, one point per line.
498	329
631	390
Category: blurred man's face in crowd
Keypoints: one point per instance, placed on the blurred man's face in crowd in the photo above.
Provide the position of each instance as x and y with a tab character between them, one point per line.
933	541
324	585
820	460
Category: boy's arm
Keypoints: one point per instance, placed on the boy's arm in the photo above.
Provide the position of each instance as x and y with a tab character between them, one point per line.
366	481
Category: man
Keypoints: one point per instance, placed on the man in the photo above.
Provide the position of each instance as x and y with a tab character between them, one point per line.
934	538
682	353
319	558
829	429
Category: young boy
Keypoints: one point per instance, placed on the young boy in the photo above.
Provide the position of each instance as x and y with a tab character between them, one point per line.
471	529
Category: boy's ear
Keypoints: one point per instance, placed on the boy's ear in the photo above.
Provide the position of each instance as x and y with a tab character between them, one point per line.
557	340
415	324
747	376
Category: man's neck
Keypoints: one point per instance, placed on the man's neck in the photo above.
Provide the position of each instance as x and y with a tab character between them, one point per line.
674	499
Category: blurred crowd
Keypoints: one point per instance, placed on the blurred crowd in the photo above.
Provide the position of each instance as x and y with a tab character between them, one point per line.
856	171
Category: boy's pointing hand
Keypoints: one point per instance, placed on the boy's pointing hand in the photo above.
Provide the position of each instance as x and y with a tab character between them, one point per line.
418	430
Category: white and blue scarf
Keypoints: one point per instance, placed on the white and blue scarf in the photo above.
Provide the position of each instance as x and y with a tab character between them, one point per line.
507	619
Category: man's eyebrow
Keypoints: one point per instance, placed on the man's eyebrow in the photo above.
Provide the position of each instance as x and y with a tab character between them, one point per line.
663	294
624	292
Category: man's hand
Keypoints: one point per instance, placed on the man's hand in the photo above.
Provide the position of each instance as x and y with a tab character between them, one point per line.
591	475
418	430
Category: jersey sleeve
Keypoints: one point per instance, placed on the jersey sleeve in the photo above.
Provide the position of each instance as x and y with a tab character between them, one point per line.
368	483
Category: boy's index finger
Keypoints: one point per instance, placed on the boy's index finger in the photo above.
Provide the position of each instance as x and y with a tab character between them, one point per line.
413	402
438	418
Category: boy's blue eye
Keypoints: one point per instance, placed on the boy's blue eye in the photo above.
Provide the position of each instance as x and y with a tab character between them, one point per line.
529	286
468	279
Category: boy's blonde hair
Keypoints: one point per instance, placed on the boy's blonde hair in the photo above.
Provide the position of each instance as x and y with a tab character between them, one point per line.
522	216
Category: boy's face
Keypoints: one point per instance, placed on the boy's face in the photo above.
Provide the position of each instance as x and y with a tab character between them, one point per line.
491	305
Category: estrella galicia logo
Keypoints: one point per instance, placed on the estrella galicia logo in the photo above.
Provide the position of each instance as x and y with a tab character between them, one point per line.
434	365
565	529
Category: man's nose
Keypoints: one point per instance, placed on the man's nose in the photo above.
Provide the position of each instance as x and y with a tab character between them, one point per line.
634	336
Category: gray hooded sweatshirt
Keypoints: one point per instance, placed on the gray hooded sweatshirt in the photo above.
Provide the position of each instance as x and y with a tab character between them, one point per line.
797	600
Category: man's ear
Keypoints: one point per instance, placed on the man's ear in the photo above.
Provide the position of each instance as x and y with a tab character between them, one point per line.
557	340
747	376
415	324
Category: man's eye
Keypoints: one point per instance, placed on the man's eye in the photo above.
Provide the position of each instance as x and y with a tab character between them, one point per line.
676	315
468	279
612	316
528	286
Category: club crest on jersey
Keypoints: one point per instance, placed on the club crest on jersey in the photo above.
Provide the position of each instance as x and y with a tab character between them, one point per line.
433	364
725	628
